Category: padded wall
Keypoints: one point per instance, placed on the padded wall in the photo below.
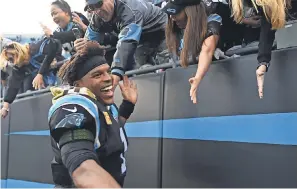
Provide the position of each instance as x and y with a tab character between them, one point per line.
29	150
231	138
144	130
4	149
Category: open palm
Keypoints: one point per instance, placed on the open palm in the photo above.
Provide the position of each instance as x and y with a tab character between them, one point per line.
129	90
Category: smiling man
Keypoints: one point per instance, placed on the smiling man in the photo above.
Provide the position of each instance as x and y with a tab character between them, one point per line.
87	128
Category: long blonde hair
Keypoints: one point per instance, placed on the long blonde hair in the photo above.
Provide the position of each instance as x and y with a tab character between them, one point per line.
274	11
21	52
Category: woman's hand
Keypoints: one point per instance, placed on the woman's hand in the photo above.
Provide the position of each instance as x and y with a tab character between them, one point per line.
260	73
38	82
194	85
48	32
78	20
5	110
79	45
3	83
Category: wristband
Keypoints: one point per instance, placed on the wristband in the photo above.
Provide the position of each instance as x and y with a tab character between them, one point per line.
126	109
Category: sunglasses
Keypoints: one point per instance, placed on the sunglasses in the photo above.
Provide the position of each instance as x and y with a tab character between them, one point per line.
92	7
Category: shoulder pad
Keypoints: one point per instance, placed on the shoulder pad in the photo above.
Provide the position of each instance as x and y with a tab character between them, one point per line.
69	116
72	111
58	92
74	99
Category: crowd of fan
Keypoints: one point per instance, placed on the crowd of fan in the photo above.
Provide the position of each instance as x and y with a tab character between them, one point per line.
141	33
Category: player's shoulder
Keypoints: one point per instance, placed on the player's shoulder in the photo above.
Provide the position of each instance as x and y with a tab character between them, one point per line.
70	116
76	104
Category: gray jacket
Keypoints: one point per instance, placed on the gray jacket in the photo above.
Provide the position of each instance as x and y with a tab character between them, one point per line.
132	19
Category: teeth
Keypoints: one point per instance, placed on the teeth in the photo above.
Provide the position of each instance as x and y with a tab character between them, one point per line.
107	88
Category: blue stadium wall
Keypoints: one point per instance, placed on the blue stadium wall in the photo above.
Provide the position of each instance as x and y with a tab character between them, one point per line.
231	138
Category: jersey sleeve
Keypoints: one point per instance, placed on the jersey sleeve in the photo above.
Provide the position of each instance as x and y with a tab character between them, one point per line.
128	39
71	117
14	84
73	128
52	48
214	23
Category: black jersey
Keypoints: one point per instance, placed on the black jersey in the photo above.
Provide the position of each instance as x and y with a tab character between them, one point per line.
76	111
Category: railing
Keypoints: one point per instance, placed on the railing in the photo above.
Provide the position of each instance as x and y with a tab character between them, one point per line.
128	73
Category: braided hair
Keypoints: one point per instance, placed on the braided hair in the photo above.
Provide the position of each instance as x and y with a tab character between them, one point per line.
68	71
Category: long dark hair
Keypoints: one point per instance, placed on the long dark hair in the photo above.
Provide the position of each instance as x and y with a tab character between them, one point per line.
194	34
63	5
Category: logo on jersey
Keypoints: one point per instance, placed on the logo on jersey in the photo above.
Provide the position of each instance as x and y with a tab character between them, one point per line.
71	110
75	119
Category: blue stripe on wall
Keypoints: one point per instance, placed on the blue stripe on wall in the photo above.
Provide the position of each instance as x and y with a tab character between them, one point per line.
3	183
277	128
266	128
11	183
38	133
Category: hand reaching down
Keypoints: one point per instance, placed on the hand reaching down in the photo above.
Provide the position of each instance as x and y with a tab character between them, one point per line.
260	72
193	91
38	82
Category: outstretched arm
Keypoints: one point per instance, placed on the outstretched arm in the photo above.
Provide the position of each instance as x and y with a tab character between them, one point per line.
205	58
90	175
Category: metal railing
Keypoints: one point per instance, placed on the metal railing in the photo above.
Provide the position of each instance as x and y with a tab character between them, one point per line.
135	72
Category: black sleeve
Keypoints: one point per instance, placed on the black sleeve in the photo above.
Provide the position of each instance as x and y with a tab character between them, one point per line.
213	28
267	36
110	39
64	37
130	33
4	75
76	152
73	128
50	52
14	84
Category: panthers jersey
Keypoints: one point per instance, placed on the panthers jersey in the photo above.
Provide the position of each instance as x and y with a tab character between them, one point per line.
83	112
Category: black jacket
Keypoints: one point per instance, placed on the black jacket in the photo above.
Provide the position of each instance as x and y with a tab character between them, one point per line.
43	57
66	36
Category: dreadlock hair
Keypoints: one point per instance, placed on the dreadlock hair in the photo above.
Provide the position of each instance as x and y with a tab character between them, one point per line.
68	71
